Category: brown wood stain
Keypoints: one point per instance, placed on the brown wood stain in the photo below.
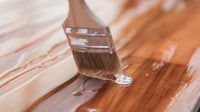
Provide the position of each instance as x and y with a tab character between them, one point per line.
143	95
158	48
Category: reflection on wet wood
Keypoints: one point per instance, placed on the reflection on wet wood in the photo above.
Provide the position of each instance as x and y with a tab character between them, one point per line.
157	42
158	85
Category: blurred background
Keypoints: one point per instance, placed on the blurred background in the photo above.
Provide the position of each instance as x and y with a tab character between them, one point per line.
32	42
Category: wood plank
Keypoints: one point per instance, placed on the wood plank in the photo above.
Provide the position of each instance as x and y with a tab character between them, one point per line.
144	95
157	42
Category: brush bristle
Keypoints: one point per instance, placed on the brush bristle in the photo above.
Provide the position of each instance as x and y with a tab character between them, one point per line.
98	65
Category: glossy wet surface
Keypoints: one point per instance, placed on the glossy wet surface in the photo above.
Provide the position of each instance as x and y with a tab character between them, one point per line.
161	83
158	43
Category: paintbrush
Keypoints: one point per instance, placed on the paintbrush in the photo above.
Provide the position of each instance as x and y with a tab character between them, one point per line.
92	45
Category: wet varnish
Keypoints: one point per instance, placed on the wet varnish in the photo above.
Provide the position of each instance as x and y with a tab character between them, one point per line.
157	43
106	96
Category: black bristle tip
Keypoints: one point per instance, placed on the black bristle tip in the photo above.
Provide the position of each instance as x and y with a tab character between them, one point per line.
98	65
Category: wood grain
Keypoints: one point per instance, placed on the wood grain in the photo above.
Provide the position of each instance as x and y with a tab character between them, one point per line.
136	97
157	42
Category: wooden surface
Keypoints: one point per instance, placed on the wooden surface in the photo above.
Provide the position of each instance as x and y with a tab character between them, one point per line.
158	42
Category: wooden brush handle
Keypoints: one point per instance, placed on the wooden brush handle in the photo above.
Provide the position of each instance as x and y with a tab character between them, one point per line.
81	16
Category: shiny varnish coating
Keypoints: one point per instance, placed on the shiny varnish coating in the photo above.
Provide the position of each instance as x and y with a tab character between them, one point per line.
157	42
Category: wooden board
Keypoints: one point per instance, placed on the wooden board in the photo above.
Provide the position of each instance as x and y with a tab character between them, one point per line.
158	42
